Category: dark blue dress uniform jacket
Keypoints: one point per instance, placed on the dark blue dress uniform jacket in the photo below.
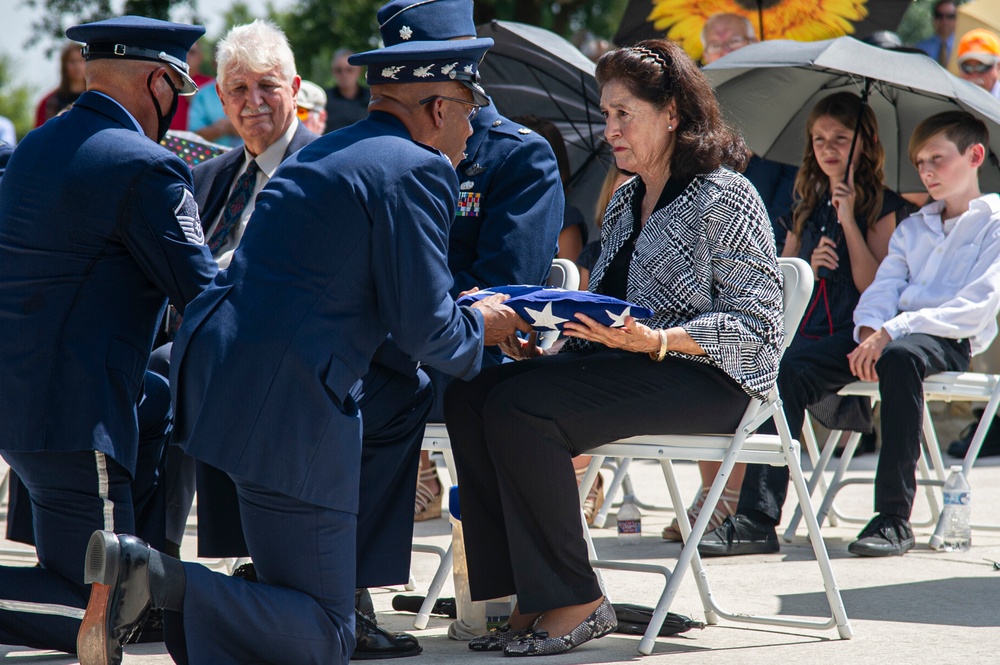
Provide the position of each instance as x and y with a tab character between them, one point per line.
510	208
98	226
348	243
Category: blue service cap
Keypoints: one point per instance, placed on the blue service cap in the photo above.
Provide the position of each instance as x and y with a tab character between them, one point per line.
428	61
140	38
425	21
548	308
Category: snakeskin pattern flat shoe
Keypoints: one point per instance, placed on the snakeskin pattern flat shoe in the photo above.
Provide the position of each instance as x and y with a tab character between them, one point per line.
538	642
497	638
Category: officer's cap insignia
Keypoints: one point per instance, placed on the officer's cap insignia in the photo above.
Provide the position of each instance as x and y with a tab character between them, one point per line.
467	185
405	33
469	69
390	72
423	72
475	169
524	130
186	213
447	68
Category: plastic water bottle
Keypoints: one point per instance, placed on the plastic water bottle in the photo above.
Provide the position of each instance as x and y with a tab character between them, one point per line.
629	522
957	506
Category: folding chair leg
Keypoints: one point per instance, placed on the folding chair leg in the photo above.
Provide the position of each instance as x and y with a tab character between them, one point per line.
611	491
440	577
816	480
833	597
711	618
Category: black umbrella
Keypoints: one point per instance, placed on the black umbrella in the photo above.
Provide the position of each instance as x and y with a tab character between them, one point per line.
768	89
532	71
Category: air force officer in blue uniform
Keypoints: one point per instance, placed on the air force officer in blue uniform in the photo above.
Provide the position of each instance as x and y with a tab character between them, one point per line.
348	244
98	226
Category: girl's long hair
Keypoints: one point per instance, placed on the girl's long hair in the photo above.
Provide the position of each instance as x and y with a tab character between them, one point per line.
869	159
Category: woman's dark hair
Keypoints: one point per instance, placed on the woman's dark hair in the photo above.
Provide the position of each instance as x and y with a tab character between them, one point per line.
66	84
658	71
548	131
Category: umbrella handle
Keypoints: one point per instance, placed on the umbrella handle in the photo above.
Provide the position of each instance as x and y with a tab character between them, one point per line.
857	127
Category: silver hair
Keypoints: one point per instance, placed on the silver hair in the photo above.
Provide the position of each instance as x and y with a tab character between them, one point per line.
748	30
256	47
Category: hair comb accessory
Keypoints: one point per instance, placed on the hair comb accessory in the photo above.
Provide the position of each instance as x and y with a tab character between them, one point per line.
649	54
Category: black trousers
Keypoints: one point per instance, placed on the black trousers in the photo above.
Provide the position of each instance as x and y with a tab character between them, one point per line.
514	430
821	369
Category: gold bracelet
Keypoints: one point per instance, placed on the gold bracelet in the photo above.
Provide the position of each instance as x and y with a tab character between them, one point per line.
658	356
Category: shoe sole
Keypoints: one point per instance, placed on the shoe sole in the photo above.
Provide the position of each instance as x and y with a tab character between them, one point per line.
101	572
762	548
384	656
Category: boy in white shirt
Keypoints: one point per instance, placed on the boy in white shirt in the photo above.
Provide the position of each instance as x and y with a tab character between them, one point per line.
933	304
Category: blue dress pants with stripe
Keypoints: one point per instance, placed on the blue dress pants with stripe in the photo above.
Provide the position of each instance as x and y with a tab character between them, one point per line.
301	612
73	494
148	490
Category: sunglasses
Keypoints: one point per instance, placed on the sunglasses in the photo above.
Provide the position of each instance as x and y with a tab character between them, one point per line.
302	113
973	67
942	17
473	112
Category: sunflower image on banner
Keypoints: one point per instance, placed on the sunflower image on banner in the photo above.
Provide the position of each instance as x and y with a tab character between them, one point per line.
800	20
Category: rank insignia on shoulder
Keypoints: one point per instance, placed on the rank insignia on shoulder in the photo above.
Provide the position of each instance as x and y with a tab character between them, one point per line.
475	169
186	213
524	130
467	185
468	204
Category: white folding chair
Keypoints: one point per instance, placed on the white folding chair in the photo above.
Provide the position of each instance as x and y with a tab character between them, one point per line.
942	387
563	274
744	445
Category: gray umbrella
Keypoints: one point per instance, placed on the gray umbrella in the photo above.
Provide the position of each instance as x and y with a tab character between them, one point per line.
767	90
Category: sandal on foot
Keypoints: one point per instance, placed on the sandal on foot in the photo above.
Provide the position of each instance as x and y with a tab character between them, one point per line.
427	504
595	498
726	507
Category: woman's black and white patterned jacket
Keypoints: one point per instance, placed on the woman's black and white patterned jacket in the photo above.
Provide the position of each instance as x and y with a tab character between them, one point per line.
706	262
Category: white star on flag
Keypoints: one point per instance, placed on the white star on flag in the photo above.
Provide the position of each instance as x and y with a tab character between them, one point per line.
618	321
544	318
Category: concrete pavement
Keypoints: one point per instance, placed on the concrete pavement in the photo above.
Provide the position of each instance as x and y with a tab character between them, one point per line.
922	607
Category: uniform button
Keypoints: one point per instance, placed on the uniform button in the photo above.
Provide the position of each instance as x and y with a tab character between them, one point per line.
497	123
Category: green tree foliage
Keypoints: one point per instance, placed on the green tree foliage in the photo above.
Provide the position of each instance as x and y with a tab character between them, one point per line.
57	15
15	100
317	28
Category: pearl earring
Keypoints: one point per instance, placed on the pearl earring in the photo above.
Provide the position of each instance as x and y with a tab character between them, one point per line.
670	128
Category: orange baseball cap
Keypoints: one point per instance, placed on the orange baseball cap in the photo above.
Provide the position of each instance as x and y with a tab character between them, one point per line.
979	44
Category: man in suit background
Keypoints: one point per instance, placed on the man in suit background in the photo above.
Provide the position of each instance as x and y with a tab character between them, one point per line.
89	253
265	362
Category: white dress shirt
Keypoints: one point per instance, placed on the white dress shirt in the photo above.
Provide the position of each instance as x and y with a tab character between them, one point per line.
267	163
940	277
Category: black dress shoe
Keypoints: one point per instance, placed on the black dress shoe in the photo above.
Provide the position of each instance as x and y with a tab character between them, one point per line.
885	535
151	629
375	643
739	535
117	568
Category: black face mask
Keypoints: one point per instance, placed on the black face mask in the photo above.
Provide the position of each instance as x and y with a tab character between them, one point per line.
163	120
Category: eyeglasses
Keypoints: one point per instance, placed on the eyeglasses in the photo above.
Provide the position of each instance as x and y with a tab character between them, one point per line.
730	44
973	67
943	17
473	112
302	113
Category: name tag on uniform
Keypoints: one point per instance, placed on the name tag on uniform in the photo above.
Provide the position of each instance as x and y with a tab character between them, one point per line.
468	204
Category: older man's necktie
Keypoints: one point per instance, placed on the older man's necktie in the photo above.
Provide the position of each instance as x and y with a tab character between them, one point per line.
237	203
